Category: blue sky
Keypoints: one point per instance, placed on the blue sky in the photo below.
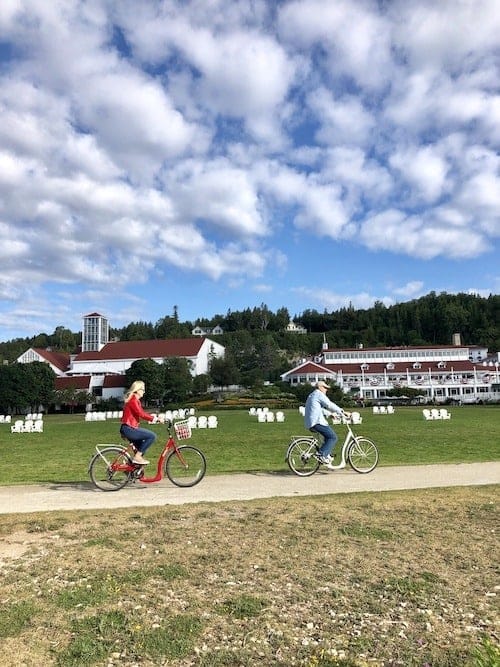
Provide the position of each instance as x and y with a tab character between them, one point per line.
219	154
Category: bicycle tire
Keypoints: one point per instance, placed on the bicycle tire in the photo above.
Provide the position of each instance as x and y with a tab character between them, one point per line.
185	466
301	458
363	455
102	472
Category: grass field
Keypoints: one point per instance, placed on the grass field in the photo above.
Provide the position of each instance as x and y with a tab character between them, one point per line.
392	579
61	453
366	580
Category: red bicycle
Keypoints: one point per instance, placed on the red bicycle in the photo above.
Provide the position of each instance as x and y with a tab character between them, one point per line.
112	468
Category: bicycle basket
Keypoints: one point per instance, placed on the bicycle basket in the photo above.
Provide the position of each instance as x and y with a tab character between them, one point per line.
182	430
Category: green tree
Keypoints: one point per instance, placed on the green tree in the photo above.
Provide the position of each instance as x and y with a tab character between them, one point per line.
177	382
41	378
151	373
71	397
224	372
201	384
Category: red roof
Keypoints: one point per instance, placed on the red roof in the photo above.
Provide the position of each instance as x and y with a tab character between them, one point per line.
58	359
77	382
145	349
116	381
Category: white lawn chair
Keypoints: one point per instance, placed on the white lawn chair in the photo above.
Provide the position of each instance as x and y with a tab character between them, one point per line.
280	416
427	414
356	418
376	410
37	426
435	413
390	409
202	421
444	414
270	416
17	426
261	417
212	421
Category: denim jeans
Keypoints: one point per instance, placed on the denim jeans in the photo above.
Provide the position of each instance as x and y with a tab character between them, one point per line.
330	438
140	437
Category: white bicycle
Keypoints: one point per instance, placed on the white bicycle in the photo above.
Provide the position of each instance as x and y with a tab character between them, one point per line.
360	452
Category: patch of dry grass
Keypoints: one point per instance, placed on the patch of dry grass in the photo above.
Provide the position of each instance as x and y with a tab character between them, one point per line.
380	579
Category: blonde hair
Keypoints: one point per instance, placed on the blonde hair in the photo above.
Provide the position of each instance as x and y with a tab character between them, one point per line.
134	387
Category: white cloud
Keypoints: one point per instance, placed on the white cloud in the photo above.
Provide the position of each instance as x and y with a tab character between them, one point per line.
423	169
419	237
142	139
355	38
342	120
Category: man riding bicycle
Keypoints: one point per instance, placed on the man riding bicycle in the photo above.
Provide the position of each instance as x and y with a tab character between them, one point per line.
315	420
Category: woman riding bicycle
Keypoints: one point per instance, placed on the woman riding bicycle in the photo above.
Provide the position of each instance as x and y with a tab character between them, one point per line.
133	412
315	420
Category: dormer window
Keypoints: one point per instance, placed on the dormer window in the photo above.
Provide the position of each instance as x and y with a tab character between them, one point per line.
442	364
390	366
365	367
417	364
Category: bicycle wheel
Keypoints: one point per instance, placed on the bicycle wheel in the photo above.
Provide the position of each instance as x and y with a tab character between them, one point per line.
185	466
363	455
109	469
301	457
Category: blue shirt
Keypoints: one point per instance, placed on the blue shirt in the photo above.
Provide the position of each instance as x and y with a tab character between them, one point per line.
315	404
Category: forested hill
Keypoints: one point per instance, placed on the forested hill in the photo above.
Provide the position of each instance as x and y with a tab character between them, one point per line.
432	319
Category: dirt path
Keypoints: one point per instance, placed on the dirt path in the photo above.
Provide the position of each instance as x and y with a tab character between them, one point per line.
50	497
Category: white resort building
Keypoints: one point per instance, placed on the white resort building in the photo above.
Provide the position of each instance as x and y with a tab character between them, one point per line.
99	369
442	372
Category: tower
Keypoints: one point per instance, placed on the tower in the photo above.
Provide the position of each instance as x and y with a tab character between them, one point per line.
95	332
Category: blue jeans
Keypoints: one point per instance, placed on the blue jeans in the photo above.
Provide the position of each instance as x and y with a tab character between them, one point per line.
330	438
140	437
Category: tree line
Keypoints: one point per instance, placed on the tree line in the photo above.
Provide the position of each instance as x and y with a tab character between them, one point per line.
259	349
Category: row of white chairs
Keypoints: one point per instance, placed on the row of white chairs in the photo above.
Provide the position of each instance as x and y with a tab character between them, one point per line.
434	414
203	421
5	419
34	416
270	416
101	416
27	426
383	409
355	418
181	413
253	412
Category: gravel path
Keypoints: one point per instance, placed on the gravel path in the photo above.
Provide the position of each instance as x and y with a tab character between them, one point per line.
248	486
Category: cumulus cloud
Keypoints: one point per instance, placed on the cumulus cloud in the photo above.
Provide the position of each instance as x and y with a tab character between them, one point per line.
137	139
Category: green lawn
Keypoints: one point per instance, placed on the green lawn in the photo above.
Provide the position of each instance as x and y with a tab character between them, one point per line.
239	444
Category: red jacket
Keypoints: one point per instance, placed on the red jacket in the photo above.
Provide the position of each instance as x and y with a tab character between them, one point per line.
133	412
